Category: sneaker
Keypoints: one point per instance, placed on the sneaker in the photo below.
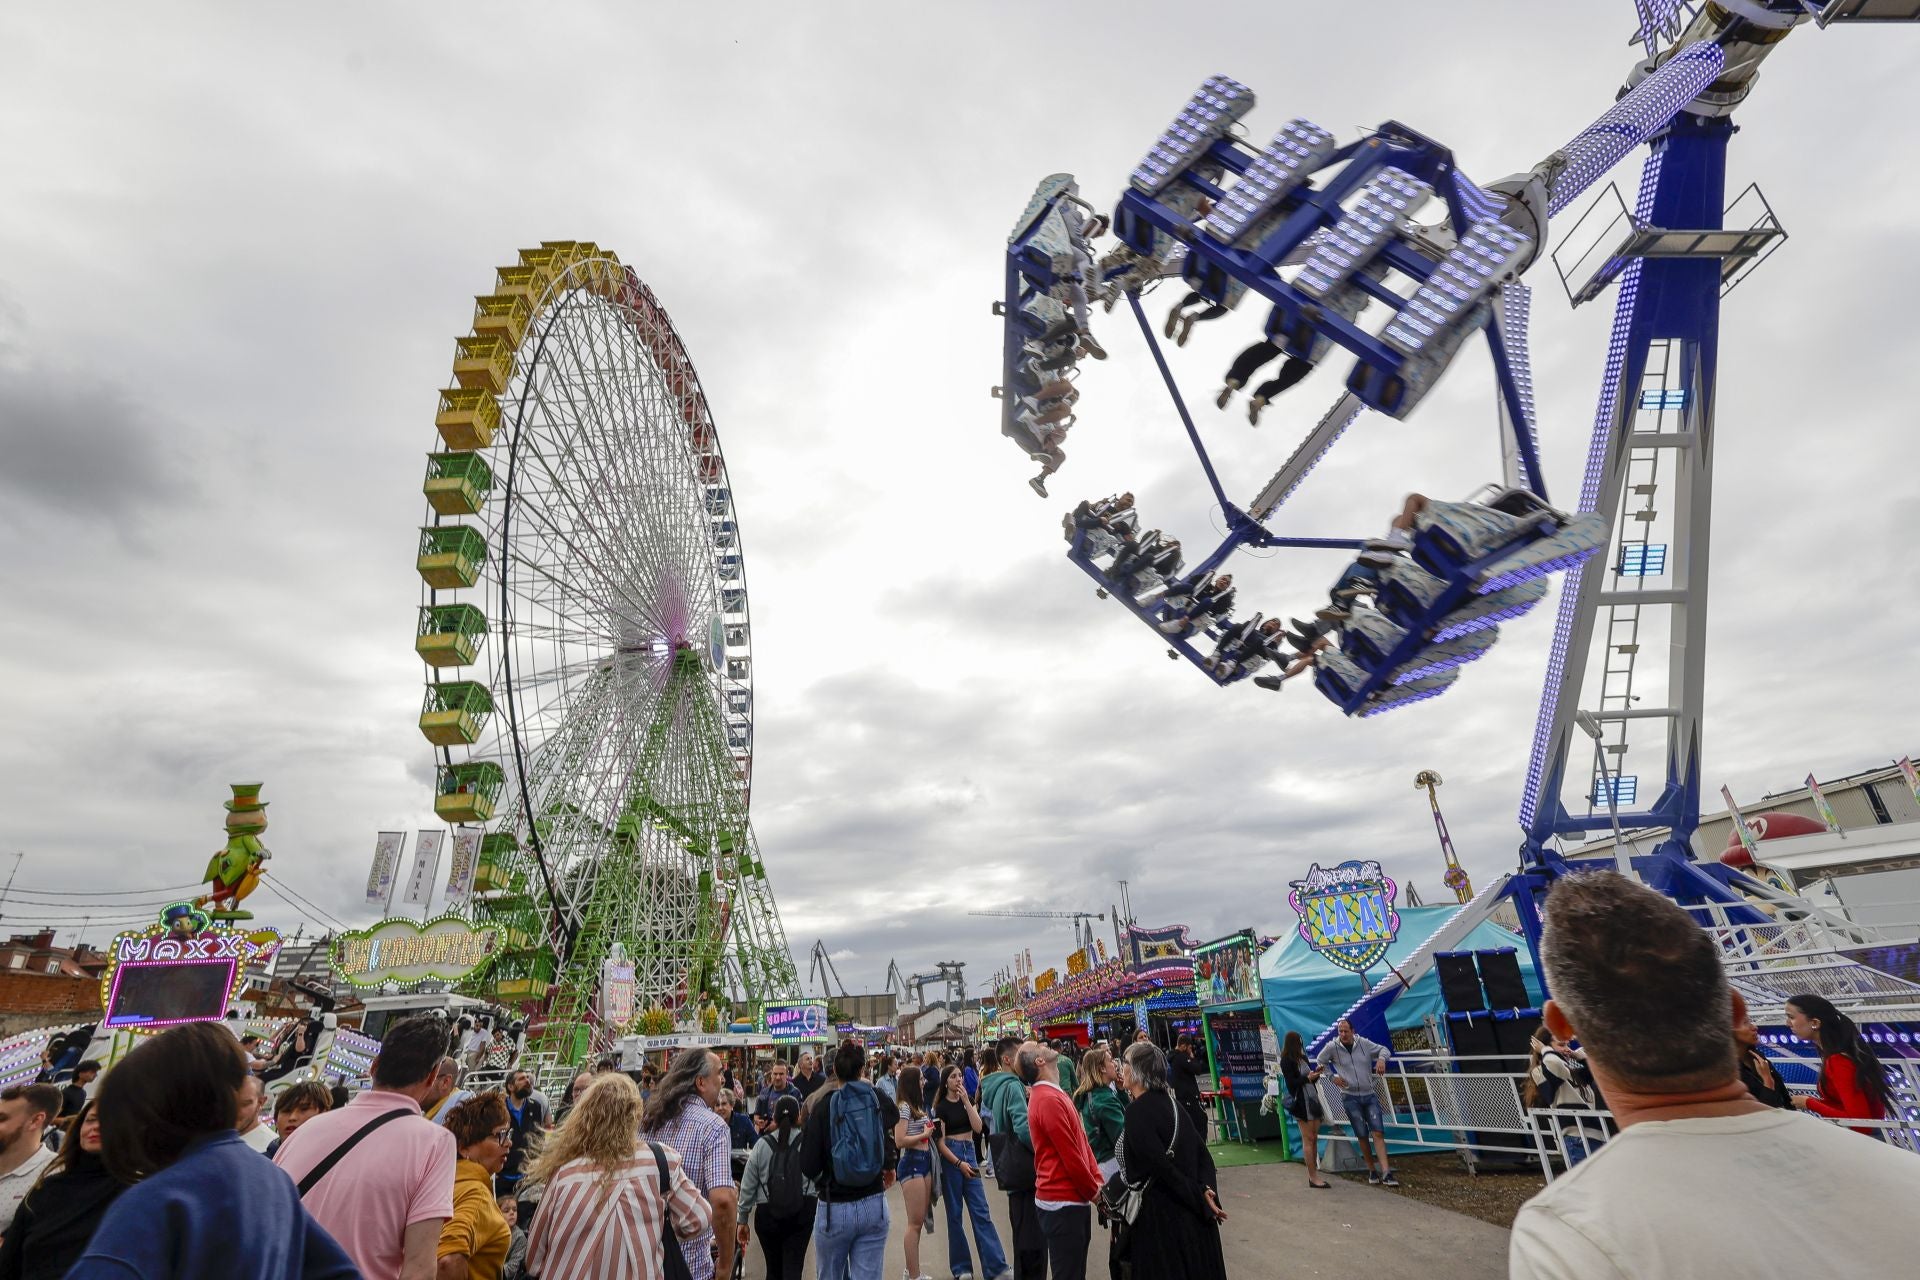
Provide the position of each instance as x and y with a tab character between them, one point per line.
1092	348
1373	1178
1174	654
1254	406
1039	485
1186	330
1268	682
1391	1180
1226	394
1378	559
1167	330
1395	541
1331	614
1099	593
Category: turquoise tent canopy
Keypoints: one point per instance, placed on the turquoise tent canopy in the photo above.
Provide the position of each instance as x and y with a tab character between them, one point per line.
1305	993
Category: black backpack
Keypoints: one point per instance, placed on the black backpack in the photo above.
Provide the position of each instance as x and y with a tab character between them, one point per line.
786	1193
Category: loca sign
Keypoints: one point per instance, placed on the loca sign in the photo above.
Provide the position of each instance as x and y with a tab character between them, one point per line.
805	1020
1346	913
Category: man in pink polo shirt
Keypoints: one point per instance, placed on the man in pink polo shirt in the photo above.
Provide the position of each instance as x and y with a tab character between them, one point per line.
376	1173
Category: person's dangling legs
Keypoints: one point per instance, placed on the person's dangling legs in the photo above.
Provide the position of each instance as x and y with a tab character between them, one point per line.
1290	373
1244	366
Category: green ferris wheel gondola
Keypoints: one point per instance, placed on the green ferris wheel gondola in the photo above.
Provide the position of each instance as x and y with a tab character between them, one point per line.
584	621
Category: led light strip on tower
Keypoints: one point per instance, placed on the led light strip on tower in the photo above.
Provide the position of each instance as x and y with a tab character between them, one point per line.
1276	173
1393	194
1465	276
1213	109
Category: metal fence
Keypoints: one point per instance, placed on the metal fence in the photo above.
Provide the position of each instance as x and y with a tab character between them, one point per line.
1472	1105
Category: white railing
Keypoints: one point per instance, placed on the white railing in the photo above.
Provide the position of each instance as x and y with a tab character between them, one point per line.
1430	1101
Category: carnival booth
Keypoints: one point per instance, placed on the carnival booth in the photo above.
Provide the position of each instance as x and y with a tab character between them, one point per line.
1308	987
1239	1045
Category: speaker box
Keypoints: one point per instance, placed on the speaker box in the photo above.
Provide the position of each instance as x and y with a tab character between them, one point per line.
1500	972
1474	1037
1459	984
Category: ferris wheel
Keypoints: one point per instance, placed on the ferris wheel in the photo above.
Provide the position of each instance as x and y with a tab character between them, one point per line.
585	630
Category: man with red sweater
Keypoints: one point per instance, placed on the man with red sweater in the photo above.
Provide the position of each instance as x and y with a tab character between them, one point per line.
1066	1178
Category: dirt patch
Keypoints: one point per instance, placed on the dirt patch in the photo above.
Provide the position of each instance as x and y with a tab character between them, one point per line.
1439	1179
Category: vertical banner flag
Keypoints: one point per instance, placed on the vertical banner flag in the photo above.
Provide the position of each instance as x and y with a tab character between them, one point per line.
386	858
1747	841
466	857
1825	810
426	861
1913	778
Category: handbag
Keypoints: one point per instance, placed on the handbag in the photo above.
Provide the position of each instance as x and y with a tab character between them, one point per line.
1121	1199
674	1263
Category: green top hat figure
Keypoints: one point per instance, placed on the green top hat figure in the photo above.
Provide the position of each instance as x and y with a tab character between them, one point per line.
235	870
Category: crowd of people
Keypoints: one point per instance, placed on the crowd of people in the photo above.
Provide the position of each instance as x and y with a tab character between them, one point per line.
164	1165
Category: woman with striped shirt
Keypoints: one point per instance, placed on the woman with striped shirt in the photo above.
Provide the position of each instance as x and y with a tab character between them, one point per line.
604	1212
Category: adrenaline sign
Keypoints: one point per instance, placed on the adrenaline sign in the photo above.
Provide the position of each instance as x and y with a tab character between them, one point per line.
1346	913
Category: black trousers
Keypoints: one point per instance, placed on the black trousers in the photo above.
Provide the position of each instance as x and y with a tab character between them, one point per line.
1069	1234
784	1243
1029	1244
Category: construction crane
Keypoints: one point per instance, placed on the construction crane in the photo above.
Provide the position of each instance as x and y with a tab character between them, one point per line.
823	969
897	984
918	984
953	973
1083	939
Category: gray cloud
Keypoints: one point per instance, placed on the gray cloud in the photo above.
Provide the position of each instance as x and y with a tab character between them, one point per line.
245	248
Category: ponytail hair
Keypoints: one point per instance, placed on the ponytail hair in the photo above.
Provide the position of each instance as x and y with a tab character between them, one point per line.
1840	1037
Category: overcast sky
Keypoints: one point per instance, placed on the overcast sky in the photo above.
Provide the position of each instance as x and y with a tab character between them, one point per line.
236	244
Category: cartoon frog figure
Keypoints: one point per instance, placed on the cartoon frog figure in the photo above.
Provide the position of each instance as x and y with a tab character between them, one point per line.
235	870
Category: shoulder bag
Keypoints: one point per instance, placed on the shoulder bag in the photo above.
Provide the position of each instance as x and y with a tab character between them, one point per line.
1120	1198
674	1262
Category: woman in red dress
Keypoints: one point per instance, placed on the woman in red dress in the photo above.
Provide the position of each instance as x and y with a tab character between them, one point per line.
1853	1084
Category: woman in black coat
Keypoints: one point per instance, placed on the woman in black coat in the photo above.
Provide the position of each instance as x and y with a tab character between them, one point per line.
56	1220
1176	1235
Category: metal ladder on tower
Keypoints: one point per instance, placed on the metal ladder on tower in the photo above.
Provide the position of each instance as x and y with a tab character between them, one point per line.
1658	404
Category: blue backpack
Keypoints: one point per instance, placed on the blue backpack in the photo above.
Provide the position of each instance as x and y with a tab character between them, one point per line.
859	1147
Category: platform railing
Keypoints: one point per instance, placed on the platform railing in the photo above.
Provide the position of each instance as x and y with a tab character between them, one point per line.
1468	1105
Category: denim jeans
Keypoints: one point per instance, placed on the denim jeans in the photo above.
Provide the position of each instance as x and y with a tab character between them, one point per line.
1579	1144
961	1190
1363	1113
854	1246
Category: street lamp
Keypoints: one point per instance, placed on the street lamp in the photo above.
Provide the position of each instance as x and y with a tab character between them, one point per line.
1589	725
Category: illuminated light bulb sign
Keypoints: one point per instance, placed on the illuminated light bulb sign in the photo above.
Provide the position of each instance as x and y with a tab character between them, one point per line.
180	969
794	1020
1346	913
445	948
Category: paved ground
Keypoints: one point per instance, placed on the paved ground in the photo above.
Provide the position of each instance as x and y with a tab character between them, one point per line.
1276	1226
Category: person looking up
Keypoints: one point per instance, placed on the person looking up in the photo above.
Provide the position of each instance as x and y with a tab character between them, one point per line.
295	1105
167	1111
681	1116
247	1122
376	1173
1355	1060
775	1199
1641	985
610	1196
575	1087
1756	1068
843	1152
1853	1084
25	1112
475	1240
59	1215
444	1096
1102	1114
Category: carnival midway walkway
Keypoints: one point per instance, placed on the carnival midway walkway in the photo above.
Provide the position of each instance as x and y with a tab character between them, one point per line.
1277	1229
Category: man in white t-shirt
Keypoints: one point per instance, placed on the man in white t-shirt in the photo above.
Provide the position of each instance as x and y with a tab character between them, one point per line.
1703	1180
